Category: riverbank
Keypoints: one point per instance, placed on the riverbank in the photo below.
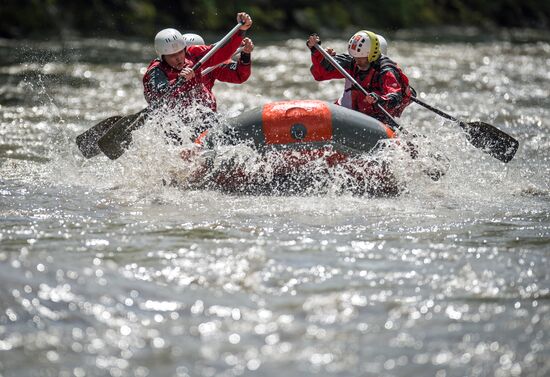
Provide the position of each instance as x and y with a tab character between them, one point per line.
145	17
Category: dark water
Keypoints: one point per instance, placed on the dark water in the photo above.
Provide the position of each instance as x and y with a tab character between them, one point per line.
105	272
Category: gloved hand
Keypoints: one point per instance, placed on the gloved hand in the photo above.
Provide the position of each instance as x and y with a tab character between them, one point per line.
187	73
312	39
247	45
246	19
373	98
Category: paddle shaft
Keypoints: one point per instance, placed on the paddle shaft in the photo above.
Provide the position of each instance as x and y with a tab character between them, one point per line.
437	111
200	63
218	45
210	69
327	56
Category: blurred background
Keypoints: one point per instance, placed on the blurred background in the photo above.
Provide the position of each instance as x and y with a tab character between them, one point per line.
142	18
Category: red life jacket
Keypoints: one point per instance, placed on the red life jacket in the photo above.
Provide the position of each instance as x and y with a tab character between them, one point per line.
386	79
184	94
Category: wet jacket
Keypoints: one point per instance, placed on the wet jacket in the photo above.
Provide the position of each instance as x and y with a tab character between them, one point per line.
160	78
383	77
230	72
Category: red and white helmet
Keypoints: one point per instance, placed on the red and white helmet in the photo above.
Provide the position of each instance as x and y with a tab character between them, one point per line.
364	44
169	41
193	39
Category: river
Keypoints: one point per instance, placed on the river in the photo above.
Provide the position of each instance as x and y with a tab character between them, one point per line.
104	271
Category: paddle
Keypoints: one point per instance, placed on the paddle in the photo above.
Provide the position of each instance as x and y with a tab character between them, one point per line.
481	135
116	140
327	56
87	141
210	69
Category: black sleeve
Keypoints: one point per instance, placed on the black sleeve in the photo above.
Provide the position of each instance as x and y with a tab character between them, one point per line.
245	58
158	83
345	61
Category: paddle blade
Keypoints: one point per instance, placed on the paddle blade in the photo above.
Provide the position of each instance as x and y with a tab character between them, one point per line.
117	139
491	140
87	141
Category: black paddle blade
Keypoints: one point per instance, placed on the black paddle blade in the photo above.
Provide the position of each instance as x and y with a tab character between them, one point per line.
491	140
117	139
87	141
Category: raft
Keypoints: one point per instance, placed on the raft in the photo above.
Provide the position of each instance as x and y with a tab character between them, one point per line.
304	146
307	124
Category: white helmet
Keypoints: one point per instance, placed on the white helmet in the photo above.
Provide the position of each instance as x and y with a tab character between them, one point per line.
193	39
168	41
383	44
364	44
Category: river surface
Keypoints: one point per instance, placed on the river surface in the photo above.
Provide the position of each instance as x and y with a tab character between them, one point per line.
105	271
